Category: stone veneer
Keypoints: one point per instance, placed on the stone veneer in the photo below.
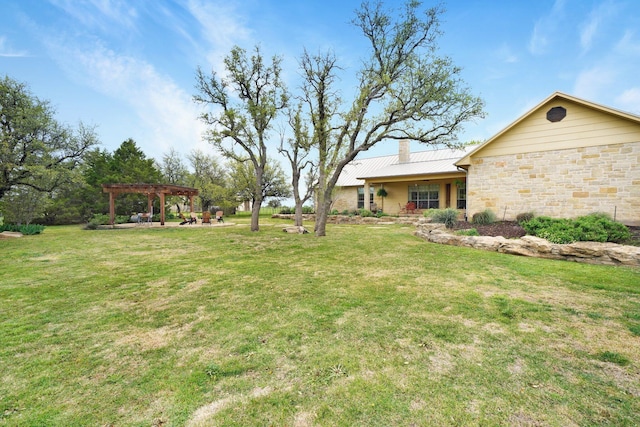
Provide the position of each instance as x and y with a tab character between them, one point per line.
561	183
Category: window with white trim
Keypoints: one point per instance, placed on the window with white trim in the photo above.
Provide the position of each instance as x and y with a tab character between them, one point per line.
462	196
425	196
361	197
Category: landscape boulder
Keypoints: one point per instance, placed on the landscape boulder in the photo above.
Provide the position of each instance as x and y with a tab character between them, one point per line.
587	252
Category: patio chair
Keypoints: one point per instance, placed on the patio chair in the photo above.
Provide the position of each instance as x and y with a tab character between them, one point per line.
206	217
192	219
219	216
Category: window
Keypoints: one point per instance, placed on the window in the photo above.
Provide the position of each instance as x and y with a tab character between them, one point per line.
361	197
462	196
425	196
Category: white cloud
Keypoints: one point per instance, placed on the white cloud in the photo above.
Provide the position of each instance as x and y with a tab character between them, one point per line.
590	83
221	27
590	28
100	14
629	100
628	44
545	27
168	117
506	55
7	52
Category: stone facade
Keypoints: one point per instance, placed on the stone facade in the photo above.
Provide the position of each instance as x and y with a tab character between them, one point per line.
562	183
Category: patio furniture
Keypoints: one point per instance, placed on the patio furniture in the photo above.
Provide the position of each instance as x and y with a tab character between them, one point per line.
219	216
206	217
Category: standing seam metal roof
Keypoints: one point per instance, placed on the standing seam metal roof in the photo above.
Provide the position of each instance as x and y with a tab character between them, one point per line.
422	163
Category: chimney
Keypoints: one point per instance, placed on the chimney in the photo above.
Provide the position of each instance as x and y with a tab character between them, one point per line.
404	151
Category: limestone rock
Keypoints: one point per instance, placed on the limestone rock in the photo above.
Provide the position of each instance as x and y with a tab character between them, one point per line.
10	234
295	230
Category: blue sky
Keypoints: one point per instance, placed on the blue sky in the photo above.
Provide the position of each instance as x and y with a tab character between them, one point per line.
128	66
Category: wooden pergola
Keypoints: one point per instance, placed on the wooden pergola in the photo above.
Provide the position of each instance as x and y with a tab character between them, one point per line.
151	190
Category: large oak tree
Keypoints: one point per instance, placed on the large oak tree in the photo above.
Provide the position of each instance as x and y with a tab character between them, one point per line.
36	151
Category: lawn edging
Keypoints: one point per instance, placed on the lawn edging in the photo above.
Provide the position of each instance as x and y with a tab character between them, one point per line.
586	252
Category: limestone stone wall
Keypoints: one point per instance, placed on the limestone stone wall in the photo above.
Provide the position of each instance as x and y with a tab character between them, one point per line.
586	252
561	183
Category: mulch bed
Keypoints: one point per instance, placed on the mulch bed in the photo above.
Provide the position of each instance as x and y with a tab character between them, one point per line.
511	230
506	229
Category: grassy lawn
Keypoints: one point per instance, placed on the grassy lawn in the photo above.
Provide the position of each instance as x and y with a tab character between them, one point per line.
368	326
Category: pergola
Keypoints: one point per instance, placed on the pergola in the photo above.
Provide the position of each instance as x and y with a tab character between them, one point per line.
151	190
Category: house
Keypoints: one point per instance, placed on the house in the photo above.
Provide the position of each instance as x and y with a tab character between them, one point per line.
566	157
428	179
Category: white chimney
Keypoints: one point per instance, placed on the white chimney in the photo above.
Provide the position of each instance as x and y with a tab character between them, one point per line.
404	151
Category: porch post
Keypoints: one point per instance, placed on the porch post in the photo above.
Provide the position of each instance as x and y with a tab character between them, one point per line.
367	197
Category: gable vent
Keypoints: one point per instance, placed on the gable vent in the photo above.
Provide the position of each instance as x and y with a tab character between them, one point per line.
556	114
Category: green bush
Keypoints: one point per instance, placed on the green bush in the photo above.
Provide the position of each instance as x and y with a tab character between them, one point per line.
560	231
27	230
485	217
334	212
468	232
524	217
600	227
448	217
308	210
365	213
285	210
590	228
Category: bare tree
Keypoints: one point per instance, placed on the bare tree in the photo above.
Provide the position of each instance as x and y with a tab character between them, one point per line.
405	91
246	102
297	150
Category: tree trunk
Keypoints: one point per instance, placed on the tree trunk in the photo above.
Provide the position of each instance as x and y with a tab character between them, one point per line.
321	215
298	216
255	214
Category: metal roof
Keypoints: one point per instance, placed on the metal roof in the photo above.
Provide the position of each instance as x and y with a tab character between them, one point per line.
422	163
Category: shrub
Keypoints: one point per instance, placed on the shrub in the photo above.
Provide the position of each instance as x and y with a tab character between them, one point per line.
487	216
592	228
365	213
285	210
560	231
27	230
468	232
600	227
534	225
524	217
335	212
448	217
307	210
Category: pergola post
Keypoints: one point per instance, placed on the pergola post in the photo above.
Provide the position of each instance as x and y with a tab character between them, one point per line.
112	208
161	208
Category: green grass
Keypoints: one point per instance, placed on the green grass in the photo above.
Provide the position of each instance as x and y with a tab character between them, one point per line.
367	326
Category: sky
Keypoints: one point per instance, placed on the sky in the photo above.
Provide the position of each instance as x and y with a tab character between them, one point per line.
128	67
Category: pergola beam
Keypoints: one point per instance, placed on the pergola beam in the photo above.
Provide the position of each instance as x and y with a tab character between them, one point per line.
151	190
